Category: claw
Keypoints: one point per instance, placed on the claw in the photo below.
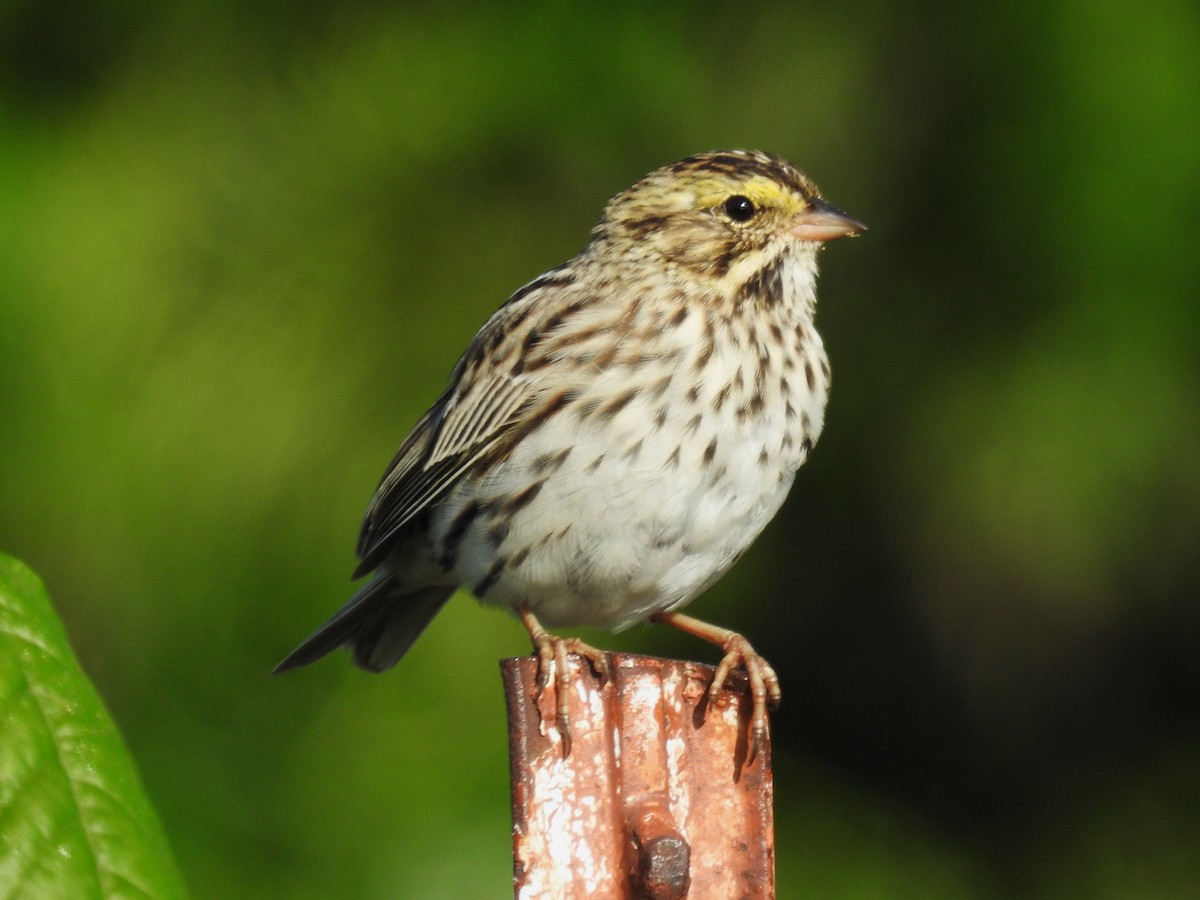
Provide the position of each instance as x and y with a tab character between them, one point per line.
764	686
764	683
552	654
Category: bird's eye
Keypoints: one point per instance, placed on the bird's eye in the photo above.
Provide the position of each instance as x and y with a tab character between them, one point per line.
739	208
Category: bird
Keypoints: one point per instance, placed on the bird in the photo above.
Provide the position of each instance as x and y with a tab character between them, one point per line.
617	433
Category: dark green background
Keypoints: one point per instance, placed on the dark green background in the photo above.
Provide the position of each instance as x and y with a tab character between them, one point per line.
241	245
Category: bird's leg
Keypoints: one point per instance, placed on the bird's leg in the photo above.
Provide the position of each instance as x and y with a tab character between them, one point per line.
552	652
764	683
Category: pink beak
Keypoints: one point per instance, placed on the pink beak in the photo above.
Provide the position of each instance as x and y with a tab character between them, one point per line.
824	222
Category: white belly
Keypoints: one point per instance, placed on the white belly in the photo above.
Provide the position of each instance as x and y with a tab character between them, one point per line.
647	509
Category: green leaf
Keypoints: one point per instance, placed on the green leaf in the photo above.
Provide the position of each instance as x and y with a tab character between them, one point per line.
74	821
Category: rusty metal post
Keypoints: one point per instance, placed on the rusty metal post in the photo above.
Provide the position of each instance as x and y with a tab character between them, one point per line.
657	798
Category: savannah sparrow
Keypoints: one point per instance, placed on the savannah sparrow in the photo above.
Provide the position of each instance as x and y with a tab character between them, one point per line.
618	432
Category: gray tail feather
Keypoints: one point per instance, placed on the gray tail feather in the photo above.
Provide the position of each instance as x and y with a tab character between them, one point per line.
378	624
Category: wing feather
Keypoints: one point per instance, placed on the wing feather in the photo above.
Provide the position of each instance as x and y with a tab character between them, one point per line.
489	399
447	442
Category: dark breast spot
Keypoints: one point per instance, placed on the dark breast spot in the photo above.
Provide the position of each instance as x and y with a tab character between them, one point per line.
706	352
521	499
550	462
448	552
618	403
498	532
491	577
553	405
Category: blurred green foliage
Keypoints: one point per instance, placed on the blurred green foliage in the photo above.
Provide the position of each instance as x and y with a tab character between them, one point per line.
241	245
